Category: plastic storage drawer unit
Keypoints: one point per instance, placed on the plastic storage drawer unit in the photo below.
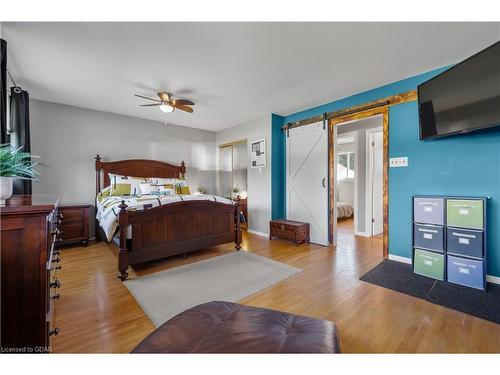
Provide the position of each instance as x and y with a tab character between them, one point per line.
466	272
428	263
465	242
428	210
465	213
428	236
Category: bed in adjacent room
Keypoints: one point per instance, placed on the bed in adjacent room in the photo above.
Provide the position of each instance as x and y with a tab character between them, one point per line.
147	205
344	210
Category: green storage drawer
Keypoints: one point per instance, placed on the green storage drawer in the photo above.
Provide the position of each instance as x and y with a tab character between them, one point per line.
428	263
465	213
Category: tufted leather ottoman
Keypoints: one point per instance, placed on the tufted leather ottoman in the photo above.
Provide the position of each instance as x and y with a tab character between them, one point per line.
224	327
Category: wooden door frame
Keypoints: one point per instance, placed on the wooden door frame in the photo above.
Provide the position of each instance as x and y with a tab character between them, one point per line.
384	111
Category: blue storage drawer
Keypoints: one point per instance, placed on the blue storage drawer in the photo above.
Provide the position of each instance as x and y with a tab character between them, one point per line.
428	236
466	272
428	210
465	242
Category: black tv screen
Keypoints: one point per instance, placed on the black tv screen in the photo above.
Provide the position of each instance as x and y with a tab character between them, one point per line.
464	98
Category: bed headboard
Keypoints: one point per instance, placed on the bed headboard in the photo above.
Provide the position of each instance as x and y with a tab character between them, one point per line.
136	168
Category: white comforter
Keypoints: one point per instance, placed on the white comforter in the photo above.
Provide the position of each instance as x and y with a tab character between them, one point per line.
107	208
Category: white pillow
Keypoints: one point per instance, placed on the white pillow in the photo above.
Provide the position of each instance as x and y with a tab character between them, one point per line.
151	188
133	182
162	181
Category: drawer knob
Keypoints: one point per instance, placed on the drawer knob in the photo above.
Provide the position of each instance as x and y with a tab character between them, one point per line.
55	284
56	268
61	216
57	296
56	260
54	332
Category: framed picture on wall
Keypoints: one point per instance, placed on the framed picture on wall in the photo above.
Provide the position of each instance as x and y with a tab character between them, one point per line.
258	154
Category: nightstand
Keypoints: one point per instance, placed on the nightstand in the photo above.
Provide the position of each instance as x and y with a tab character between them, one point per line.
74	224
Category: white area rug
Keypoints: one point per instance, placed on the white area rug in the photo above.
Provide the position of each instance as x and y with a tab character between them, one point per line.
229	277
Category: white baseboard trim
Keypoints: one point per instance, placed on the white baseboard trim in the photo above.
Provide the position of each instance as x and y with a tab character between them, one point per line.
258	233
493	279
397	258
362	234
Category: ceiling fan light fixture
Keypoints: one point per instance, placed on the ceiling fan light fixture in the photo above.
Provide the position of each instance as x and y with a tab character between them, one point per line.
166	108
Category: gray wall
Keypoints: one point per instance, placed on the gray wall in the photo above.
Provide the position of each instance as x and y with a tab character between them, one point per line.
68	138
259	182
360	126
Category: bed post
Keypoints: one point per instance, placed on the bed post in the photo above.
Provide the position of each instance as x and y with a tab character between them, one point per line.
237	232
98	168
183	170
122	253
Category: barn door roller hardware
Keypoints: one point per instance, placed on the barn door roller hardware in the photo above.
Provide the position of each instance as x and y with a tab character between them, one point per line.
391	100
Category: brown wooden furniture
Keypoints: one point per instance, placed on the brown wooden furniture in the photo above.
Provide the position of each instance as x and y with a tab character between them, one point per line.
30	261
176	228
295	231
225	327
75	224
244	211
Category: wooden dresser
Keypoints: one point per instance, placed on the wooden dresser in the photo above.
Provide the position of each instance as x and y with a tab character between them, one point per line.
295	231
30	261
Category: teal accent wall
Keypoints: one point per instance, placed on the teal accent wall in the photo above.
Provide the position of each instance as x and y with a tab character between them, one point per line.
278	176
467	165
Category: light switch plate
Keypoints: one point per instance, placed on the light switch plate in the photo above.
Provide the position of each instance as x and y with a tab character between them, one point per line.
398	162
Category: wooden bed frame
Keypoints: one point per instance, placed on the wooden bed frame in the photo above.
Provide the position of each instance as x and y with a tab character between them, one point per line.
172	229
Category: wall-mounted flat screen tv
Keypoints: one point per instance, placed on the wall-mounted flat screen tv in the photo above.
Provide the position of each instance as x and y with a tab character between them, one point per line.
462	99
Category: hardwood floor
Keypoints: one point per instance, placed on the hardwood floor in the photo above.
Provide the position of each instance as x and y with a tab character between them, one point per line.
96	312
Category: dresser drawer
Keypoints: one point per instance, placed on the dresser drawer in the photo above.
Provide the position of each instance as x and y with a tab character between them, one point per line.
427	236
428	210
465	213
72	215
465	242
72	231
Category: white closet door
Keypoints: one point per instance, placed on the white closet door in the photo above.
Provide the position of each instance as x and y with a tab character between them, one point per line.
307	179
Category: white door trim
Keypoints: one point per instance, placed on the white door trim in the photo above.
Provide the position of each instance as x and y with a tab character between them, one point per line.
368	177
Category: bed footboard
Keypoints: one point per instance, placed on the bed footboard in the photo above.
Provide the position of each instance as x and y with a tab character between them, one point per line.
176	228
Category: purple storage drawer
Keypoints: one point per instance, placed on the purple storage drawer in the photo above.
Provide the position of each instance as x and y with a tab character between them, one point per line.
428	210
466	272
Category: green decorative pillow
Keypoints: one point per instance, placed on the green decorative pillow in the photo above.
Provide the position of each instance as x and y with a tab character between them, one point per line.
185	190
103	194
125	185
121	189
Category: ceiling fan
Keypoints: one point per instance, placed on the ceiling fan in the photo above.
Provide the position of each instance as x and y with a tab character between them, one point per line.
167	103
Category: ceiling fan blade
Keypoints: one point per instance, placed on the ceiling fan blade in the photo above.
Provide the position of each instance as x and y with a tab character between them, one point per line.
164	96
145	97
184	108
183	101
149	105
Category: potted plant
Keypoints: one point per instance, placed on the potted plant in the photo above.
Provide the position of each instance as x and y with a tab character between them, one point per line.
14	163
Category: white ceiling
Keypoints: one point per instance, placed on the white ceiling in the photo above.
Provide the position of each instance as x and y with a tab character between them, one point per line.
234	72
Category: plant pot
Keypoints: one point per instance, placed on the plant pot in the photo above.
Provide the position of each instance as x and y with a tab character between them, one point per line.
5	189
